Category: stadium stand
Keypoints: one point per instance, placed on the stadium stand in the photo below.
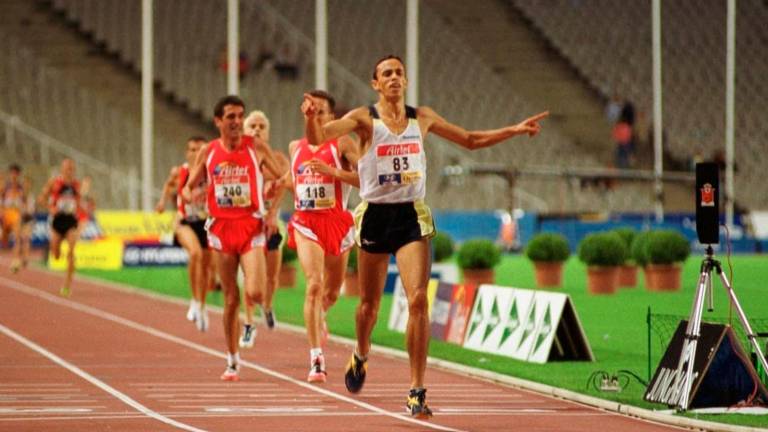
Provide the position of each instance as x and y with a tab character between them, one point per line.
615	55
276	39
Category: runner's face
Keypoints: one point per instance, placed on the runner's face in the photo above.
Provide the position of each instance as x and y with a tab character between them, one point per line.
230	124
68	168
192	148
324	113
258	127
390	78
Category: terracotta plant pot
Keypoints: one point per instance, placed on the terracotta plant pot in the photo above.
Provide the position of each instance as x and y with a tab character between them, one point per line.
649	280
602	280
350	286
478	277
287	276
628	276
665	277
548	274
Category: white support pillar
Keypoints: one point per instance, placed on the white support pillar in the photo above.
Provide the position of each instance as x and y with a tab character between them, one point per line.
321	44
412	52
730	78
658	169
233	48
146	104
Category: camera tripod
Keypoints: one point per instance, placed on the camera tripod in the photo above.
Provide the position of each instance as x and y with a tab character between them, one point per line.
693	330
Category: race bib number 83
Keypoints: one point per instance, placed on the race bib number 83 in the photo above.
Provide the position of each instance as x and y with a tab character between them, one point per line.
398	163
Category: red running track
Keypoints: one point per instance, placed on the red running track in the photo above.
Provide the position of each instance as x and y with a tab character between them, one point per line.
113	359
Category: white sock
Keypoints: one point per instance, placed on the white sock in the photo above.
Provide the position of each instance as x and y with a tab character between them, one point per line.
314	352
194	303
233	359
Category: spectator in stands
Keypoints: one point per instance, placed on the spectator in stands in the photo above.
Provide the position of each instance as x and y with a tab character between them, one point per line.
243	64
622	138
627	114
613	108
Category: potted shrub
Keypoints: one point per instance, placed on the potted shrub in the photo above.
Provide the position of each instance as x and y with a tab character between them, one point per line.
666	250
350	286
548	251
287	277
442	247
628	270
603	253
477	258
639	252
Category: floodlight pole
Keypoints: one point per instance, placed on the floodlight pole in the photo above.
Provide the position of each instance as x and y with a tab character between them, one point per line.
657	113
233	49
147	113
730	77
321	44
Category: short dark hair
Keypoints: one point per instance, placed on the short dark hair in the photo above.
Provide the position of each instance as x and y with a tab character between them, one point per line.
196	138
14	167
218	109
325	95
383	59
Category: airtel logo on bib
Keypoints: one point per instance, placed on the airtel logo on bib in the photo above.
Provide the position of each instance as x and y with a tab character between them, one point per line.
229	170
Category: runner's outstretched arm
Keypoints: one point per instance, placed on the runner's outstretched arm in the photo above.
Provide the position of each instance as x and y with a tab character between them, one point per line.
474	140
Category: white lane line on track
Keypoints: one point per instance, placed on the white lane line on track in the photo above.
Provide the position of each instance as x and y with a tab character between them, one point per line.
26	289
95	381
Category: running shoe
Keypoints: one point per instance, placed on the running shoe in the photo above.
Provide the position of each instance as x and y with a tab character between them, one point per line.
416	405
354	378
249	334
269	318
201	320
65	292
317	371
192	312
15	266
232	373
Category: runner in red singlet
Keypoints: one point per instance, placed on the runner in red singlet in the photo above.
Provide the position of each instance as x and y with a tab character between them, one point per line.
257	125
236	231
62	193
321	229
190	232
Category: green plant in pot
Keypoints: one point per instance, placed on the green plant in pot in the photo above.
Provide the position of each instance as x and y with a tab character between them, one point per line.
603	253
667	250
628	270
442	247
548	251
477	258
639	253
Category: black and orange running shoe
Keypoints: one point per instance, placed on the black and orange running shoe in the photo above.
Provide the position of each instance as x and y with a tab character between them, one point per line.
416	405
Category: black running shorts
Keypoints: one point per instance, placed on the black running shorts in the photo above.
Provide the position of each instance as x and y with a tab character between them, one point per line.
385	228
63	222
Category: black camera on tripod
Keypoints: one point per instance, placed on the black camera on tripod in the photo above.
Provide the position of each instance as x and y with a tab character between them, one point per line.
708	203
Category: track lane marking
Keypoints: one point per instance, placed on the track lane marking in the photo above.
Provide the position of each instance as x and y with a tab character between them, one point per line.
26	289
95	381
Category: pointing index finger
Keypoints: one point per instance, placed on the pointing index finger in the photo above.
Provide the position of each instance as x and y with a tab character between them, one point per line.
539	116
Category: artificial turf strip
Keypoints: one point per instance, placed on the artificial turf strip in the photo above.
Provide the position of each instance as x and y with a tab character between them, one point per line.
615	325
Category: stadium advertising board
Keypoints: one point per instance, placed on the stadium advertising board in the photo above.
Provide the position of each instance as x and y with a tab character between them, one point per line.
524	324
129	226
102	254
142	254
